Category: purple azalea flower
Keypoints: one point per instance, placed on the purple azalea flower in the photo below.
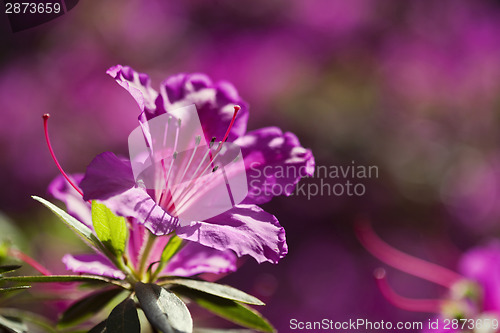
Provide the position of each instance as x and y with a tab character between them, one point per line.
192	259
244	229
473	293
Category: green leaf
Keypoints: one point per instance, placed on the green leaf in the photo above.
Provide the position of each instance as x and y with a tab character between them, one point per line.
28	316
173	246
3	290
58	278
110	229
81	229
99	328
164	310
216	289
124	318
8	268
233	311
87	307
13	325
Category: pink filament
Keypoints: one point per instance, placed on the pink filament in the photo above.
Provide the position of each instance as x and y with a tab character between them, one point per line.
415	305
236	109
46	129
402	261
30	261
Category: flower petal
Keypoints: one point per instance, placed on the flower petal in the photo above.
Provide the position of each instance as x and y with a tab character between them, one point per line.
274	162
245	229
106	176
482	264
214	102
194	259
60	189
139	86
136	241
95	264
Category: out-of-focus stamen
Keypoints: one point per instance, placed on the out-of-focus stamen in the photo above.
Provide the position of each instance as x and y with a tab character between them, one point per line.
30	261
402	261
409	304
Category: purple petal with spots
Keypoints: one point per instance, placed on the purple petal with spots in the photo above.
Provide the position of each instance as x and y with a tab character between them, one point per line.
214	102
139	86
106	176
110	180
273	160
245	229
95	264
194	259
482	264
60	189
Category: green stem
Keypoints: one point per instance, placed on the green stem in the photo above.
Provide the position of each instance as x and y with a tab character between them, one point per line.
145	255
167	255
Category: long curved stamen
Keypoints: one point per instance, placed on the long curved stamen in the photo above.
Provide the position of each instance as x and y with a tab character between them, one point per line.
46	129
30	261
210	165
402	261
196	144
219	148
415	305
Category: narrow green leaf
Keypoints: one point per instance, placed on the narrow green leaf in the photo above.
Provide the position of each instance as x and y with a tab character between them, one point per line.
87	307
233	311
164	310
124	318
58	278
99	328
3	290
110	229
28	317
81	229
8	268
13	325
173	246
216	289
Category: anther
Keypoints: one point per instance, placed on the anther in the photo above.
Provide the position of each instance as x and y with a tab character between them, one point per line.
236	109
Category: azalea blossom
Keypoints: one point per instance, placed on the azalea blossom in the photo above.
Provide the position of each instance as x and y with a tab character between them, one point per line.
473	291
245	228
192	258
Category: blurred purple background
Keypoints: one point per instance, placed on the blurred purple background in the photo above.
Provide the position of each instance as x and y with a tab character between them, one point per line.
410	87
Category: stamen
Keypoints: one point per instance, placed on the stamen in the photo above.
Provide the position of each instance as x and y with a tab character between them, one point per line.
415	305
30	261
196	144
46	129
402	261
209	167
159	188
166	131
167	179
